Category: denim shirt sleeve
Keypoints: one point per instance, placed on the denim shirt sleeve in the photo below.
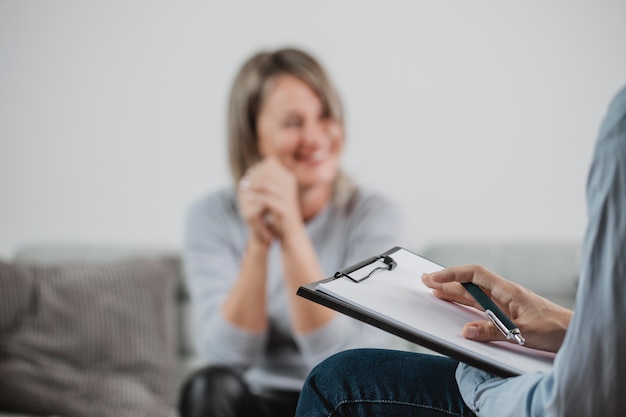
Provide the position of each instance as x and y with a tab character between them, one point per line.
589	373
488	395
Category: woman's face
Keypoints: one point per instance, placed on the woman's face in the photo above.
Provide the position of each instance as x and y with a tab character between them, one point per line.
291	126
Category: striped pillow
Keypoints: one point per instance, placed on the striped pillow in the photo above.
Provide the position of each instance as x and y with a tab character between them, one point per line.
88	339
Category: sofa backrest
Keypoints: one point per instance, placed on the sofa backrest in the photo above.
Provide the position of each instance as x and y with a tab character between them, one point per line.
56	253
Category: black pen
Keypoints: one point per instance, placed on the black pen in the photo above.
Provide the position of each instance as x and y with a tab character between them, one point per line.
502	322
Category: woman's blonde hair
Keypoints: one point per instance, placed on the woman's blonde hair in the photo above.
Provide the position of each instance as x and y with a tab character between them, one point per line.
249	89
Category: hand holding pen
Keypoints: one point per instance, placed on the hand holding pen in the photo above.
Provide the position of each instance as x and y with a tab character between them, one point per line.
542	323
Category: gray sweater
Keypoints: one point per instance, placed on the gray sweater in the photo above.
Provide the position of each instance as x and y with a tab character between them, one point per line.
277	359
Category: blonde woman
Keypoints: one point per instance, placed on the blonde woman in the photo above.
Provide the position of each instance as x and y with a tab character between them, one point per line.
291	218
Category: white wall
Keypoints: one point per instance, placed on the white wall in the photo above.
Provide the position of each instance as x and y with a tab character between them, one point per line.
478	117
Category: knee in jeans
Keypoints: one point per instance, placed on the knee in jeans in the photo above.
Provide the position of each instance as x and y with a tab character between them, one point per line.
337	366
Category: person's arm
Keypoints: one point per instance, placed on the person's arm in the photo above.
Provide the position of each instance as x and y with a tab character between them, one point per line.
245	305
272	207
215	243
590	367
302	267
542	323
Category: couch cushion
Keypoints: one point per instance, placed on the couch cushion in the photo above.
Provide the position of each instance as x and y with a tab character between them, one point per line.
88	339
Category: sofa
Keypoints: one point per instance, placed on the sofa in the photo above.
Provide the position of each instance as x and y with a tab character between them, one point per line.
146	289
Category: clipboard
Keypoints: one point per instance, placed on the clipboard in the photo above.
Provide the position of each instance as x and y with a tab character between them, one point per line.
386	291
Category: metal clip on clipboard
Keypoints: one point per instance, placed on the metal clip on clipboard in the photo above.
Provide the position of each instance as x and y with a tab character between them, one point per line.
365	269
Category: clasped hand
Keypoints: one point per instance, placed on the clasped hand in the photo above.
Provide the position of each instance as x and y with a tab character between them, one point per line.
268	197
542	323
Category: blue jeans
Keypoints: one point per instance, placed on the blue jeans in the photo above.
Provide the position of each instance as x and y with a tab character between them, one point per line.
375	382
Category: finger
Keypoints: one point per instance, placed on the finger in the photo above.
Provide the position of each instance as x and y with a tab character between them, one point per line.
268	218
489	282
251	203
255	177
464	298
272	176
482	331
281	203
451	291
262	230
245	189
500	290
271	169
448	285
462	273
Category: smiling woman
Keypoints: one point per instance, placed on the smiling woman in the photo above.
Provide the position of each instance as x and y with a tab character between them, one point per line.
290	218
294	127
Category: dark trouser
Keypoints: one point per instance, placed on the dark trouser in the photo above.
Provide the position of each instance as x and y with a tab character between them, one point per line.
219	392
382	383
